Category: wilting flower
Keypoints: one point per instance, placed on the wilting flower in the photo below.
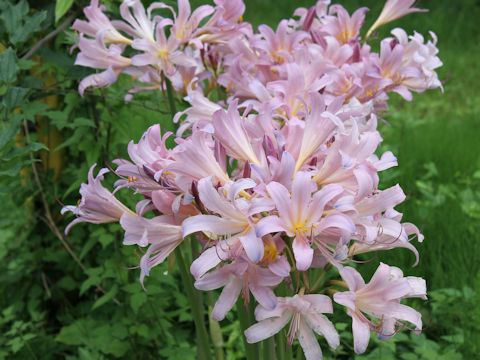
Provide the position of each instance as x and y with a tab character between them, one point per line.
376	306
305	315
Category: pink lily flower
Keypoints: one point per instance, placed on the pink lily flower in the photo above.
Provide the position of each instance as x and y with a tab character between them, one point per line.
95	54
99	23
197	152
186	23
160	233
149	158
240	277
301	215
305	315
343	27
98	205
230	130
393	10
380	301
199	115
319	126
163	52
421	56
234	223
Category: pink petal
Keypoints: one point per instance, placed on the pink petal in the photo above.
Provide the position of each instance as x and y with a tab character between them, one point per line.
303	253
213	280
361	334
211	223
320	303
264	295
267	328
324	327
268	225
227	299
208	259
309	343
353	279
253	246
280	267
346	298
281	196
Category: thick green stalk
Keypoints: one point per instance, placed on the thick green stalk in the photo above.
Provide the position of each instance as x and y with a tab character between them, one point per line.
269	349
280	345
203	344
250	349
171	101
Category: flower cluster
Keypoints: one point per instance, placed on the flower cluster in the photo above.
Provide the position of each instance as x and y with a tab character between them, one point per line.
279	180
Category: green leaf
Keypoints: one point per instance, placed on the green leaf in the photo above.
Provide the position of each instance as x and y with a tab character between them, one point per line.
137	300
8	66
61	8
105	298
14	97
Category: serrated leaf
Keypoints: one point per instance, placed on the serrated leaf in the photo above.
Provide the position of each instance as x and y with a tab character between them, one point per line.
7	134
61	8
8	66
14	97
137	300
105	298
20	151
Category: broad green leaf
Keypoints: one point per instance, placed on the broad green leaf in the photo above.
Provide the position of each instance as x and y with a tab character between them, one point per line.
106	297
8	66
61	8
137	300
14	97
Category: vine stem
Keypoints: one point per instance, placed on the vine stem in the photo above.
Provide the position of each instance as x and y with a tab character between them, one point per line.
203	344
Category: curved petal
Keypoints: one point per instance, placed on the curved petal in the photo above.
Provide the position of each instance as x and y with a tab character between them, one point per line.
320	303
324	327
345	298
361	334
281	197
264	295
227	299
280	267
268	225
213	280
322	198
266	328
211	223
208	260
253	246
309	343
303	253
353	279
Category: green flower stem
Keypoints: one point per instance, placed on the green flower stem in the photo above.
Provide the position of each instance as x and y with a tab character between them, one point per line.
269	349
280	345
203	344
289	352
171	101
250	349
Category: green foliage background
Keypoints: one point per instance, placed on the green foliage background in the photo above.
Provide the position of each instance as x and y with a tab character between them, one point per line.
78	297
